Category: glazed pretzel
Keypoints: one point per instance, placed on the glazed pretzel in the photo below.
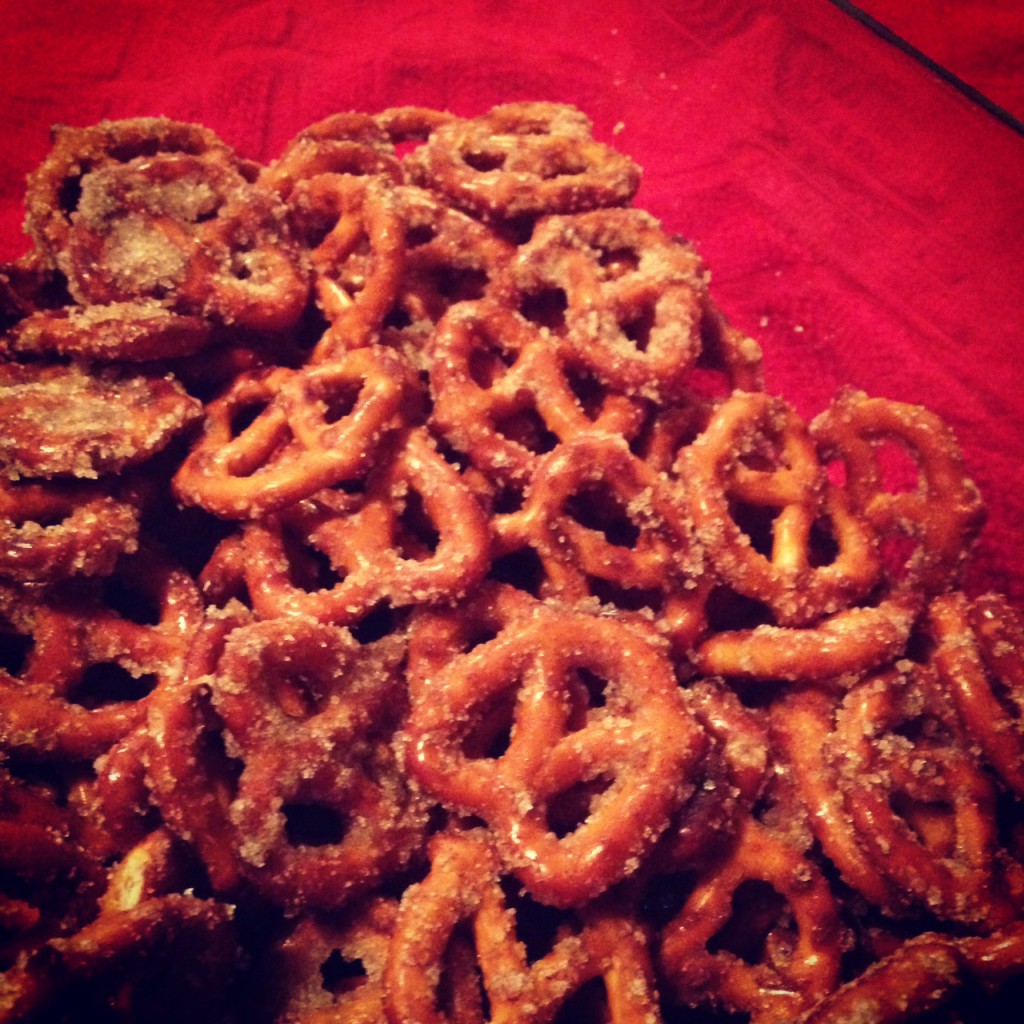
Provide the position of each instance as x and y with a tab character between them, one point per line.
499	392
626	759
306	961
358	259
51	530
414	535
449	258
634	296
941	513
132	331
91	668
313	428
605	524
756	455
463	890
799	964
849	642
523	159
59	420
76	152
945	860
978	657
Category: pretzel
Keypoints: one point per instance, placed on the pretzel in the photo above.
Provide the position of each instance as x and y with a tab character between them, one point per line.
945	860
51	530
414	535
313	428
604	524
328	970
523	159
60	420
183	224
633	296
499	393
92	669
978	660
54	187
463	889
358	260
449	258
923	975
940	514
626	758
756	454
799	964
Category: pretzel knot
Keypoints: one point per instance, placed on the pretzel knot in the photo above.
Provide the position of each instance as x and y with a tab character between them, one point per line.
978	660
461	915
605	524
184	225
923	809
633	297
100	649
500	395
593	760
61	421
52	530
414	534
523	159
313	810
935	507
772	966
310	428
757	493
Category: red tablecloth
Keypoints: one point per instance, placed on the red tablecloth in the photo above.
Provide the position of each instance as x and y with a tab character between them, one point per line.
862	219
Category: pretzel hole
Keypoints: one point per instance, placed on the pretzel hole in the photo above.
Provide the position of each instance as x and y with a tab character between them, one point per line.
898	553
460	284
379	622
757	910
313	824
309	568
131	603
528	430
727	610
15	649
757	522
932	822
545	308
298	696
489	362
898	471
339	974
568	810
627	599
522	569
589	1003
340	402
245	415
638	327
417	537
70	193
598	507
823	549
538	927
490	735
619	261
484	160
106	682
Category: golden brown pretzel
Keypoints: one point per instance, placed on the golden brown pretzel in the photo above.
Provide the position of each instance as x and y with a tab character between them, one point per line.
312	428
597	735
523	159
940	512
755	458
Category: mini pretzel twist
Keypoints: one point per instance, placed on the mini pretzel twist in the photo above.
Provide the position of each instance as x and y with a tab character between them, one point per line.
612	754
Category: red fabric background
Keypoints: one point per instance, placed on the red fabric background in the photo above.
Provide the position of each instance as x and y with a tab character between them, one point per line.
862	219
